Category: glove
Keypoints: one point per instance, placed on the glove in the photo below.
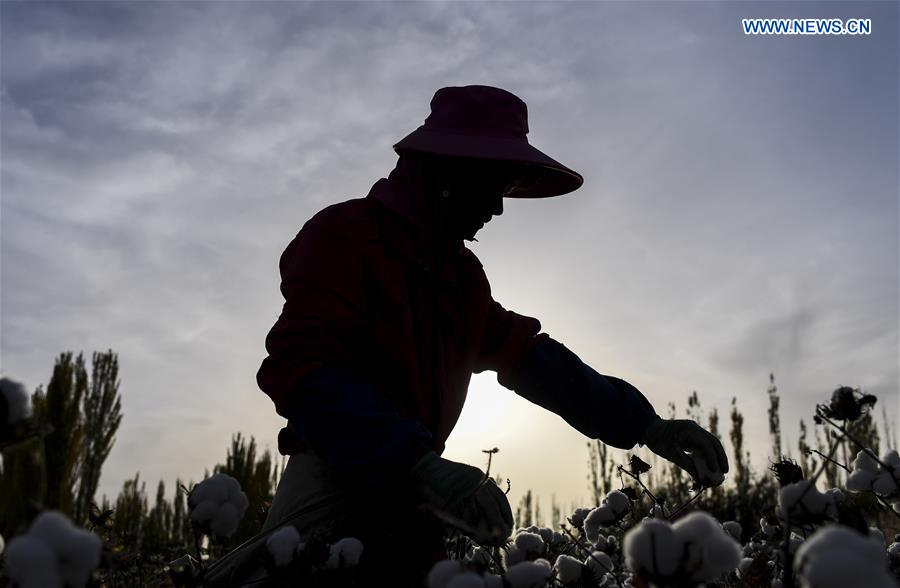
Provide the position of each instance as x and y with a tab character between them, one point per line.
463	496
690	447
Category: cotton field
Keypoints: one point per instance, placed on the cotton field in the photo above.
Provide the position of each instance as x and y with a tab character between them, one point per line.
808	535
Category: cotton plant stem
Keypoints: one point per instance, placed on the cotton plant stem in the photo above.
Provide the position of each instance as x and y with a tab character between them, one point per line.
641	484
590	553
835	462
688	503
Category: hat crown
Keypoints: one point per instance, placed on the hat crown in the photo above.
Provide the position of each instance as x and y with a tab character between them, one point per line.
478	110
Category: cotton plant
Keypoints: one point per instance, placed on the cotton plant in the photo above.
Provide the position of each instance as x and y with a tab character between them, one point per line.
52	553
614	507
217	505
881	477
836	556
803	506
694	550
283	545
344	553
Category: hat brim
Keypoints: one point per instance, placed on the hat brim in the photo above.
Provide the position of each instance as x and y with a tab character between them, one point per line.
552	178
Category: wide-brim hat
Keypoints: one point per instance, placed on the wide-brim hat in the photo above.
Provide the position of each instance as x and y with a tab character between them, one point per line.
490	123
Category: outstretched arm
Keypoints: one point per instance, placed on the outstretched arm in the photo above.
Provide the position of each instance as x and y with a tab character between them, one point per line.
612	410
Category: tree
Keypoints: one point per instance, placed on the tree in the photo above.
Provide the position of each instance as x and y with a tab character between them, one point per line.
255	478
158	531
61	408
774	418
524	512
101	417
130	515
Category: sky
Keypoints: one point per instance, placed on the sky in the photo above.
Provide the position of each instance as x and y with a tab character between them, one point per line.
739	213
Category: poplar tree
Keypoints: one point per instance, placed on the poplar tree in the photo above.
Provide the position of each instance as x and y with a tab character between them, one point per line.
102	415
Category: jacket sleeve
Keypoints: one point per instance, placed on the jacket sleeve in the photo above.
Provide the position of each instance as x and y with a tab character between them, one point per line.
308	372
600	407
508	336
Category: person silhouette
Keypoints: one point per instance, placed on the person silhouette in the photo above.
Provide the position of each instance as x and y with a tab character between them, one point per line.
388	314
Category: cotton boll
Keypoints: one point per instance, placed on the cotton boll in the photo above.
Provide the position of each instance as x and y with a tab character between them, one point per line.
18	402
77	551
546	534
493	581
211	489
653	546
696	526
893	550
876	535
865	461
601	544
733	528
618	502
345	553
568	569
891	458
530	543
579	515
466	580
204	512
282	545
599	564
513	555
544	562
226	520
31	563
744	564
836	556
602	515
79	556
860	480
442	572
884	484
527	574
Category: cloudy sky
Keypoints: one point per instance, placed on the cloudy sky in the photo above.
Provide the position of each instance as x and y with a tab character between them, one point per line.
739	214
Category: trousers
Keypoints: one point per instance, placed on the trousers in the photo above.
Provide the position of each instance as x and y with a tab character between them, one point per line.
401	542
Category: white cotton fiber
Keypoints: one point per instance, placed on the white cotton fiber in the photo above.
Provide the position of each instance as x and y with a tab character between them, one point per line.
31	563
568	569
466	580
653	547
733	528
600	516
800	502
54	552
618	502
493	581
77	550
884	484
345	553
441	573
282	544
711	551
836	556
599	564
18	403
527	574
218	502
696	545
579	515
865	461
530	543
891	458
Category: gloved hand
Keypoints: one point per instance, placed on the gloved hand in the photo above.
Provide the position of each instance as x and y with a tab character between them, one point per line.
464	496
690	447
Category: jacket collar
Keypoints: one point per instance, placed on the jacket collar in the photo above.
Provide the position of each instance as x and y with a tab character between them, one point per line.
407	229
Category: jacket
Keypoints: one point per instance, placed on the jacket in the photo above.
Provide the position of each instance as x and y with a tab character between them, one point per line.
381	330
